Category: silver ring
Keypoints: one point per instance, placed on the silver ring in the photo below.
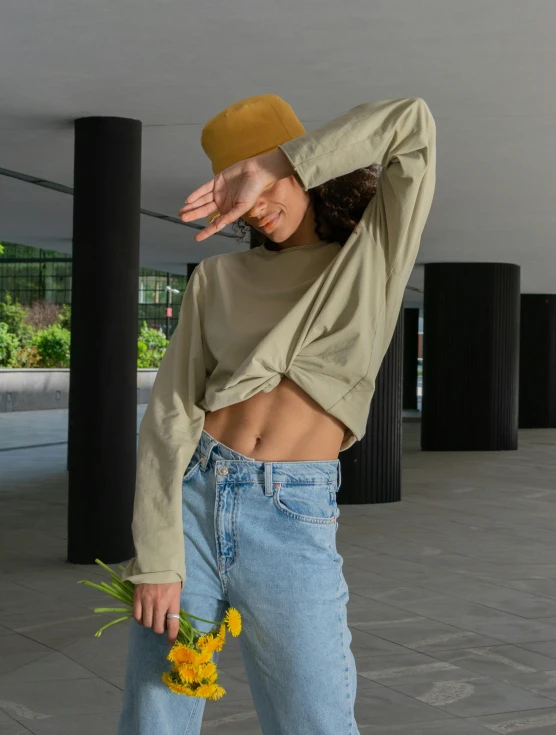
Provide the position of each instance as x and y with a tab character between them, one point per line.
172	615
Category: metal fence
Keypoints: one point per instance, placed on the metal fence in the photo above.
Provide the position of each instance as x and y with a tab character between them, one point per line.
32	274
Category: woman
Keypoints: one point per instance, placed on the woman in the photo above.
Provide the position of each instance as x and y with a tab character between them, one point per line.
268	376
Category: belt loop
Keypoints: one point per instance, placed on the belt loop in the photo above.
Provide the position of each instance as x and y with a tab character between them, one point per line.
268	490
206	451
339	474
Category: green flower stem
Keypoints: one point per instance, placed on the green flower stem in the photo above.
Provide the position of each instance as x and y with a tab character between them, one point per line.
112	622
105	566
124	586
105	588
186	630
124	591
189	615
111	609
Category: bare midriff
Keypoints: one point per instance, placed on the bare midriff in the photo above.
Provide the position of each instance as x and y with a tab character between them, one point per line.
285	425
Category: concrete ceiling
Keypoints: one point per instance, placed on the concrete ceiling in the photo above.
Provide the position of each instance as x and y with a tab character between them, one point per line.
485	67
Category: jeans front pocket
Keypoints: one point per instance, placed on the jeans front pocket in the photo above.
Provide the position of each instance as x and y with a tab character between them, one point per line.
307	502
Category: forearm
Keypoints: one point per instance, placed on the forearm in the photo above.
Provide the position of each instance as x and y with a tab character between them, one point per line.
373	132
168	436
276	165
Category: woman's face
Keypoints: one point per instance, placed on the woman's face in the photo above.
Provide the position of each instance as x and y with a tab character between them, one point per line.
285	204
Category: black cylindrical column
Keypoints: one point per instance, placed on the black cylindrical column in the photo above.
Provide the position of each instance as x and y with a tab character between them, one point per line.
410	357
371	468
103	375
537	371
190	268
470	356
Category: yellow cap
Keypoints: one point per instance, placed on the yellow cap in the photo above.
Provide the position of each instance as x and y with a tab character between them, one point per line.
248	128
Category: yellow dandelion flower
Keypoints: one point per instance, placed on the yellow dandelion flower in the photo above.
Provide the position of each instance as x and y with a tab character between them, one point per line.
217	692
186	672
180	653
205	690
175	686
204	640
208	643
219	645
195	672
207	671
218	641
196	691
212	678
205	655
233	621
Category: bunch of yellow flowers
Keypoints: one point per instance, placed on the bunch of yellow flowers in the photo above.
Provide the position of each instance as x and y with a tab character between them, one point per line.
193	672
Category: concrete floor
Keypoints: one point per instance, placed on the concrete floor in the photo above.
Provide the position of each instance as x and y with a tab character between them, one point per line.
452	598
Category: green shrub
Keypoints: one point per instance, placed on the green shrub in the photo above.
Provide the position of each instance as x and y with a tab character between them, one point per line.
53	345
13	314
28	357
151	346
9	345
64	316
27	336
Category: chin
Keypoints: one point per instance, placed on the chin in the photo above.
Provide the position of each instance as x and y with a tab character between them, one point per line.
280	234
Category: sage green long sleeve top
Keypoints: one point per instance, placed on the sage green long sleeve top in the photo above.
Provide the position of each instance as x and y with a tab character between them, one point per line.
323	315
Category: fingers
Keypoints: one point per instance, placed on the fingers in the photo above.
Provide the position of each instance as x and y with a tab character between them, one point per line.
222	221
151	603
147	619
200	201
232	215
210	230
203	207
173	628
173	624
137	608
159	618
188	215
200	192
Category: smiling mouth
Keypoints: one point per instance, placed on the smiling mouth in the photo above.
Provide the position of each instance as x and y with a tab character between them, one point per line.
271	223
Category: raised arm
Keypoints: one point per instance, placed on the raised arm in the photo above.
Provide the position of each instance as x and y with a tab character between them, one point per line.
168	437
400	135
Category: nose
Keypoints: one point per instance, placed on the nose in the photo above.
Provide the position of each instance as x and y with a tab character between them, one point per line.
258	209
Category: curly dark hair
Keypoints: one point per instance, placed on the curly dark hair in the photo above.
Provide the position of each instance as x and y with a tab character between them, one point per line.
338	204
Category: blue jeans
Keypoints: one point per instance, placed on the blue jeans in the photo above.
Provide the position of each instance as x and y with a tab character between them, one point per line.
260	536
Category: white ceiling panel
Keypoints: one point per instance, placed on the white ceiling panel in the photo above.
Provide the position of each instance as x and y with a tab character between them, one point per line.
485	68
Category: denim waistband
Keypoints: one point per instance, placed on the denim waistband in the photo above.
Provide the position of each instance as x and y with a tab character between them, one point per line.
238	466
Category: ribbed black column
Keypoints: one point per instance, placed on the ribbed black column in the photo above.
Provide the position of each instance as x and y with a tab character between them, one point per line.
470	356
103	377
537	371
371	468
410	356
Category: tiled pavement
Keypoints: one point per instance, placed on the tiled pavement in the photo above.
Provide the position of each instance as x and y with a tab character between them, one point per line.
452	598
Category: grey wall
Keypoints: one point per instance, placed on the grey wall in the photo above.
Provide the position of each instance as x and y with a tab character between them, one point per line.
34	389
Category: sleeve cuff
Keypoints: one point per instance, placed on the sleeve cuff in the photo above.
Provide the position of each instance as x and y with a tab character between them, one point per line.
297	167
165	577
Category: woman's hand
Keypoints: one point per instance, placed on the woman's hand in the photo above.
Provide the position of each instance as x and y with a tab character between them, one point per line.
234	191
151	602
